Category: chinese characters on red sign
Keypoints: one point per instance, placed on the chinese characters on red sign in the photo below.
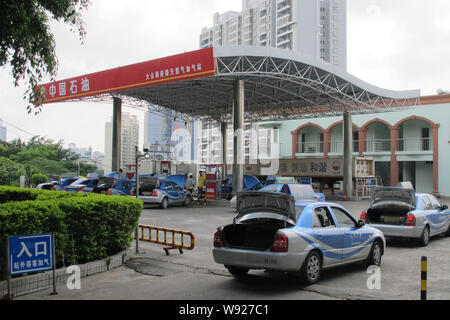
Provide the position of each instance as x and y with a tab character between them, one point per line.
190	65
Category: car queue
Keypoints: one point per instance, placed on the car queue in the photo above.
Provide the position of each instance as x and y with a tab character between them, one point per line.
286	226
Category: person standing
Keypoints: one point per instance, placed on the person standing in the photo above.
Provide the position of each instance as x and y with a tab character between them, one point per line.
190	184
201	186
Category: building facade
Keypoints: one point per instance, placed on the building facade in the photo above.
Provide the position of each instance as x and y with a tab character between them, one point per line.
168	139
129	141
316	28
258	141
408	145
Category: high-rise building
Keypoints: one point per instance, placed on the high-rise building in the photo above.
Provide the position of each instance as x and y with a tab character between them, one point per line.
2	131
168	138
317	28
258	142
130	139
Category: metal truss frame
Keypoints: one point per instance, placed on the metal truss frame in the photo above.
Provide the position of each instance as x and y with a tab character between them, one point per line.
275	89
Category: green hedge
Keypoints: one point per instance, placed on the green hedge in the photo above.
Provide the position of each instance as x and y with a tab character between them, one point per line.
87	226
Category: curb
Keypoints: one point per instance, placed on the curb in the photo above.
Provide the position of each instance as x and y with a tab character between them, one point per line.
42	281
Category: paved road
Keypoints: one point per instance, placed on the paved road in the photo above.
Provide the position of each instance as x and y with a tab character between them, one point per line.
194	275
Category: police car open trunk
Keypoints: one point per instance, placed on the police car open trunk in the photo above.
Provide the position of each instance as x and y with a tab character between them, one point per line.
391	205
259	216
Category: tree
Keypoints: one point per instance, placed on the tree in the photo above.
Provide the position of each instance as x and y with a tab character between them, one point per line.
27	44
9	171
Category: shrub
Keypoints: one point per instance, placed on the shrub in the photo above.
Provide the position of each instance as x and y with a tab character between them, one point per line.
87	227
39	178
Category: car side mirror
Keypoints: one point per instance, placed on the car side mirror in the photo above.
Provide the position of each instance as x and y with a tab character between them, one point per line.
444	207
361	223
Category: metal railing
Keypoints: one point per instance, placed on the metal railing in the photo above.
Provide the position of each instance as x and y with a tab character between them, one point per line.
310	147
175	239
338	146
421	144
378	145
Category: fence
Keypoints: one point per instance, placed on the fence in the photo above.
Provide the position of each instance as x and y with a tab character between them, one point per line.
44	280
175	239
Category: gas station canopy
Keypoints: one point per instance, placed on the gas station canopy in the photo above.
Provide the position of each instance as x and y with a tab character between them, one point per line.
233	84
279	84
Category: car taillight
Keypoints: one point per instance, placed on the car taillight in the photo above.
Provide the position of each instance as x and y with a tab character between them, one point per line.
132	193
82	189
363	216
54	188
109	192
155	193
410	220
281	243
217	239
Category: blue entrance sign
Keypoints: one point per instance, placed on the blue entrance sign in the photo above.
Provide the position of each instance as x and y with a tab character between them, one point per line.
30	254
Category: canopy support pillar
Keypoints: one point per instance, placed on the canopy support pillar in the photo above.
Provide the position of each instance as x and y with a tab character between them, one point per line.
116	134
348	155
238	136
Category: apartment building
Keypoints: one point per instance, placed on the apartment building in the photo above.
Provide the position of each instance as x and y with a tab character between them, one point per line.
129	140
316	28
258	142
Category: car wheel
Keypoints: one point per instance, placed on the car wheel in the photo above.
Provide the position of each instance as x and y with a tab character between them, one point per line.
237	271
187	201
312	268
164	203
375	254
425	238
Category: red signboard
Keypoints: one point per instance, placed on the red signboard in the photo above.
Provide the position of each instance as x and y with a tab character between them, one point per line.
190	65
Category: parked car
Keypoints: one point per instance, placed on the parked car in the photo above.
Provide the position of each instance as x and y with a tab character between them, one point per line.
47	185
82	185
402	213
164	192
250	183
299	191
103	185
274	232
121	187
279	180
64	183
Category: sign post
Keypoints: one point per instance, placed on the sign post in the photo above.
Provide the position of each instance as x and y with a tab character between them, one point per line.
30	254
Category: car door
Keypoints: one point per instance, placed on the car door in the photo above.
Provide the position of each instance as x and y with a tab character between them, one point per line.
171	191
356	240
329	238
179	193
440	217
430	215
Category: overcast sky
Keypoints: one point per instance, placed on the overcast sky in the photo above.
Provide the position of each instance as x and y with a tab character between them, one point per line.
397	45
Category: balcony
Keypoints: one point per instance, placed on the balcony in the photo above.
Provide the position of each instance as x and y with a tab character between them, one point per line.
310	149
415	145
337	147
378	145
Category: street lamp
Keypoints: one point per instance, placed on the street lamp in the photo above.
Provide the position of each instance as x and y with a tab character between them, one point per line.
139	156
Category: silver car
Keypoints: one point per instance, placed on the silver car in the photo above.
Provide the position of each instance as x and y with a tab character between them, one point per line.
274	232
402	213
163	193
